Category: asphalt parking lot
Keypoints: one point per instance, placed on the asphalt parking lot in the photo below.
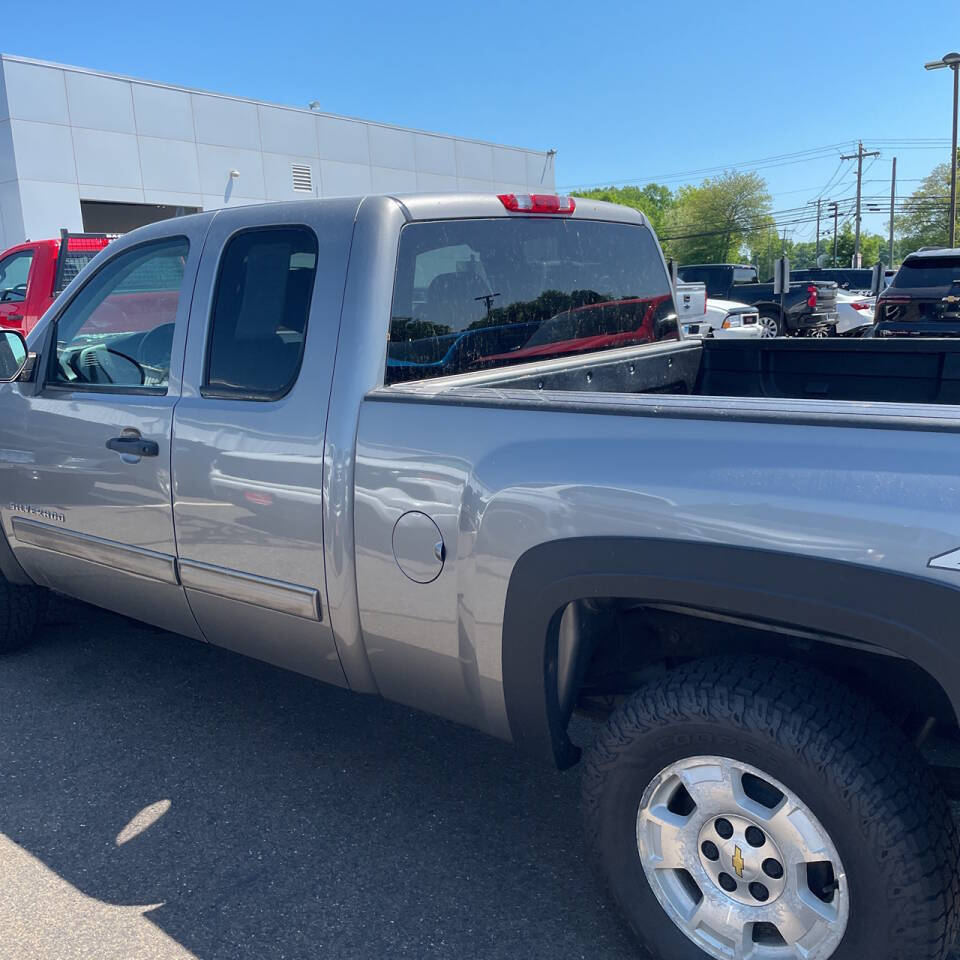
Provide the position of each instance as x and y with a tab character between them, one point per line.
283	818
161	799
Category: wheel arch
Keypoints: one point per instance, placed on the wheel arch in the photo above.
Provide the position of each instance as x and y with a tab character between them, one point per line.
843	603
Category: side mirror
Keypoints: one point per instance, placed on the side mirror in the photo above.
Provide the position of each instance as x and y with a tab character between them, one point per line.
13	355
876	280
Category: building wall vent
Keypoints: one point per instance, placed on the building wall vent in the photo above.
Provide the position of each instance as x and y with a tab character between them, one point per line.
302	177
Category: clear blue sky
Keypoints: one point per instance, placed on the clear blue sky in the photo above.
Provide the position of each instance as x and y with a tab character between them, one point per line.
623	91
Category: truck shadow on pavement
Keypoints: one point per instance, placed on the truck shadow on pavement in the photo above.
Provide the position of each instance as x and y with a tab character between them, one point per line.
295	820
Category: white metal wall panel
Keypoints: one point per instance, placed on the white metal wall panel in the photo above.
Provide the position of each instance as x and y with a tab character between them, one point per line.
392	148
509	166
45	204
343	140
436	183
344	179
436	155
35	92
389	180
107	159
162	112
216	164
11	214
8	166
169	165
474	161
44	151
287	131
174	198
100	103
226	123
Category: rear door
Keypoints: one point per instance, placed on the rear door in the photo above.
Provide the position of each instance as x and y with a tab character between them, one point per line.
85	464
249	432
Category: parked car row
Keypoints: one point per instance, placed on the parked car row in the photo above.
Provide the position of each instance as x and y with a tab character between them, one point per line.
808	307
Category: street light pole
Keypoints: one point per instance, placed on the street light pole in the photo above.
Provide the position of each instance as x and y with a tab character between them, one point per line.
955	67
951	60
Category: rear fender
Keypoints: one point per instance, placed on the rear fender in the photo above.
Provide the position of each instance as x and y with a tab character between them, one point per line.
912	617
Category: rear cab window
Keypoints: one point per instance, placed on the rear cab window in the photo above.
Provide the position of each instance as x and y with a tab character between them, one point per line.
483	294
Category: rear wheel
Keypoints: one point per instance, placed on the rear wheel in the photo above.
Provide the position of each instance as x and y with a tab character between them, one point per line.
21	610
750	808
771	325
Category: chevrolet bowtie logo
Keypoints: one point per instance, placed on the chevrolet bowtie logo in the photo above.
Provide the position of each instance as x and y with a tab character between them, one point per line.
738	861
951	299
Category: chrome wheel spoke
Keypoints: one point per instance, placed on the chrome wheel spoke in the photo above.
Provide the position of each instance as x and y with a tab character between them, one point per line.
670	838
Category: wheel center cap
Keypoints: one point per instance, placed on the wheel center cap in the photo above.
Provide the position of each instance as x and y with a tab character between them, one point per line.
742	860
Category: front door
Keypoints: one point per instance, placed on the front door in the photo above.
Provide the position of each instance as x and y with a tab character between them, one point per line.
249	432
85	465
14	283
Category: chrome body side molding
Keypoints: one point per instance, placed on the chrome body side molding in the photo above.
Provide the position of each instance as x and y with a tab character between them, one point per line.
109	553
263	592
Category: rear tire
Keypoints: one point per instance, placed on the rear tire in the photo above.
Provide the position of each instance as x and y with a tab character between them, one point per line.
838	764
772	325
21	611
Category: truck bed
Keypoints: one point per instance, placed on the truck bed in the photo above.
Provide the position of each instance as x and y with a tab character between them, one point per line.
876	371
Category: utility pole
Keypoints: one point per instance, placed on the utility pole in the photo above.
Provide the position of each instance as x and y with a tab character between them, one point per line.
858	156
833	203
818	231
818	202
893	197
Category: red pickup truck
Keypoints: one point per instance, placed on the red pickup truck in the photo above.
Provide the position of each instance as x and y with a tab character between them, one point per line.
33	274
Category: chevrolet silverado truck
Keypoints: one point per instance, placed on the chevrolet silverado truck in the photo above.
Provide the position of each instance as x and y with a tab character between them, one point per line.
810	307
450	450
33	274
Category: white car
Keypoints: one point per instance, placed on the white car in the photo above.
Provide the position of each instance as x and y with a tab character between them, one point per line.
702	316
854	313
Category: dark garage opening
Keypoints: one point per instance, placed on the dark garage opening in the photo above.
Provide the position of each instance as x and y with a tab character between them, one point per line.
102	217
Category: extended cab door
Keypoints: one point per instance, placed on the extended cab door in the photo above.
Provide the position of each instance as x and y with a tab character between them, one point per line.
249	432
85	450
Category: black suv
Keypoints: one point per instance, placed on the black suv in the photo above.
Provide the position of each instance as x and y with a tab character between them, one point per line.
924	298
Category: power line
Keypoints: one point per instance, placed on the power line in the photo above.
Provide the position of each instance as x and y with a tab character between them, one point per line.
783	159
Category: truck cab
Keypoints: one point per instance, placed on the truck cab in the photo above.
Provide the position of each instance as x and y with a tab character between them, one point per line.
34	273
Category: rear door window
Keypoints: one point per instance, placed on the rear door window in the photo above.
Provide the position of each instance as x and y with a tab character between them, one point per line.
260	310
928	272
481	294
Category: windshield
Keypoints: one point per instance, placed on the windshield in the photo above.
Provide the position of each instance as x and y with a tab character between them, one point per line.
928	272
478	294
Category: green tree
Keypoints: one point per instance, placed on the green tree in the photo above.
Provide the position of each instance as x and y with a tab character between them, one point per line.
925	218
654	200
710	223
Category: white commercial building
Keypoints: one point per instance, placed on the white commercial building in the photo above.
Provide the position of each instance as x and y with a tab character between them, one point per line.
93	151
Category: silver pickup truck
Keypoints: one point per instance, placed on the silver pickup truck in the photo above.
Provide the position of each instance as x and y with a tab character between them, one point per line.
450	450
